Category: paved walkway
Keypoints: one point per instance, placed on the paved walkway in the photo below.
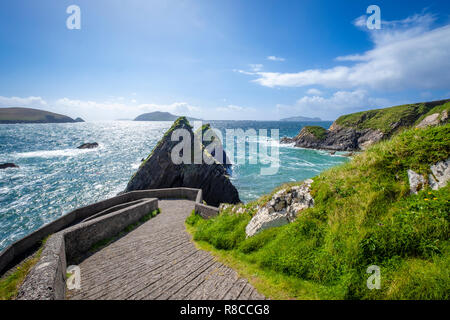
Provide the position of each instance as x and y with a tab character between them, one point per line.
158	261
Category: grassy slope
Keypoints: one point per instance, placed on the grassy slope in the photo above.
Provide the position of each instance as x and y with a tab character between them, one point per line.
364	215
383	119
317	131
29	115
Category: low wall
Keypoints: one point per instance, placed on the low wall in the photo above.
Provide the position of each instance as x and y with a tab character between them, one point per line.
17	251
47	279
206	212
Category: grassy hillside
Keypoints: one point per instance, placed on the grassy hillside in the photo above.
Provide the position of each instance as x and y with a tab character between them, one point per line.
317	131
364	215
27	115
389	120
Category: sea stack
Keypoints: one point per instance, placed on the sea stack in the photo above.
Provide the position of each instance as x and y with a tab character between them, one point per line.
160	171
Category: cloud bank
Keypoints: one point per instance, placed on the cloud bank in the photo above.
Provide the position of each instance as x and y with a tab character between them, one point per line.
407	54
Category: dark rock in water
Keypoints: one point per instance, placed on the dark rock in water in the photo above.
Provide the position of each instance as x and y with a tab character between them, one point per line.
286	140
88	146
159	170
79	120
8	165
332	153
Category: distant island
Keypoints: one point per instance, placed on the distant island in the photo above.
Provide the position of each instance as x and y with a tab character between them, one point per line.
28	115
160	116
300	118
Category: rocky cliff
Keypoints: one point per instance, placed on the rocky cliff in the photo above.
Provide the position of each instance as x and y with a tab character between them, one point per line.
359	130
160	171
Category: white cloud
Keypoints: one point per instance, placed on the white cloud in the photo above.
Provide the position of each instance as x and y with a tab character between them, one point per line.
235	112
230	108
314	91
30	102
275	58
256	67
118	109
407	54
341	102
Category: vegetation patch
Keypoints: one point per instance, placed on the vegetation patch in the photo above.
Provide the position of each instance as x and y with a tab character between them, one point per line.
386	119
364	215
11	281
317	131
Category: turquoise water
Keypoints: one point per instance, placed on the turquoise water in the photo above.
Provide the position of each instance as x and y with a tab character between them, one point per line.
55	177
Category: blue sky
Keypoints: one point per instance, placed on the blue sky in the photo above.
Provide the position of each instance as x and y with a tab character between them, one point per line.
218	59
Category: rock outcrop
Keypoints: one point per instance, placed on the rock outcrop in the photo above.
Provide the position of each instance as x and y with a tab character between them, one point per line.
160	170
8	165
434	119
211	141
360	130
88	146
438	178
281	209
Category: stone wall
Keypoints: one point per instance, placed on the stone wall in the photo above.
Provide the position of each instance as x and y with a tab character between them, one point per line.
17	251
46	280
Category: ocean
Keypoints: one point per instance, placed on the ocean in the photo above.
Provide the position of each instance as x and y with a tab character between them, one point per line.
55	177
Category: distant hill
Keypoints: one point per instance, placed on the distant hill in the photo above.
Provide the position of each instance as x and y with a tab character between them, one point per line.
300	118
28	115
160	116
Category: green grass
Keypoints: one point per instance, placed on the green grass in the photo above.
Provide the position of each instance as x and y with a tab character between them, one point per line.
437	109
317	131
385	119
10	282
364	215
105	242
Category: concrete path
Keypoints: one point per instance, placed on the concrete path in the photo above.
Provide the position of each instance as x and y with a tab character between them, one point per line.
158	261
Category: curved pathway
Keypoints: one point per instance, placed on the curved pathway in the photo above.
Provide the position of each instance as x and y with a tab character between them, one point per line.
158	261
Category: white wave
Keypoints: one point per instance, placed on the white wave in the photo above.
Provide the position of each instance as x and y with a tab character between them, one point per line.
136	165
54	153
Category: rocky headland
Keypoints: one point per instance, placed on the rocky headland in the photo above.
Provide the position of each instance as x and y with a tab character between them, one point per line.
29	115
357	131
159	171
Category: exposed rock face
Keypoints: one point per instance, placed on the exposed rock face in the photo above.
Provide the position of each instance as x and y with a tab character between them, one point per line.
281	209
360	130
440	174
439	177
8	165
416	181
211	141
337	138
160	171
79	120
88	146
434	119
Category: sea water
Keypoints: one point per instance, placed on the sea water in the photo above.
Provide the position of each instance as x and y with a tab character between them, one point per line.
55	177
